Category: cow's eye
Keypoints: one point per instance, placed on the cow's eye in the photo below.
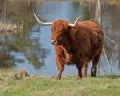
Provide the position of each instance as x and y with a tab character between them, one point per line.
60	38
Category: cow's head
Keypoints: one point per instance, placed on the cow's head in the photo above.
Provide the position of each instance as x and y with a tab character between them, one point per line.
60	30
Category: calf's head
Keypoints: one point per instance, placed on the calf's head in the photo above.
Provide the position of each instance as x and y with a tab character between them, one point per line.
59	28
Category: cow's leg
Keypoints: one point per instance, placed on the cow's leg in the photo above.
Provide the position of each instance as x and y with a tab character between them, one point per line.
94	66
60	70
84	70
79	67
59	61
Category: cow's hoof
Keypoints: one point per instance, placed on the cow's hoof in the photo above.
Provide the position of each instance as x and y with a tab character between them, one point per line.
58	78
79	77
93	75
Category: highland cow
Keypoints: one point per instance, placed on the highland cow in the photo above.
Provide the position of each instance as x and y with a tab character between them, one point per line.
76	43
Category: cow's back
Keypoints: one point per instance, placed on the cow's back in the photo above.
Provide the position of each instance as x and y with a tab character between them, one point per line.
88	39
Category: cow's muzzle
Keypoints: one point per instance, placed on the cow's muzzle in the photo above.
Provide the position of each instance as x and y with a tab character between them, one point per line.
54	42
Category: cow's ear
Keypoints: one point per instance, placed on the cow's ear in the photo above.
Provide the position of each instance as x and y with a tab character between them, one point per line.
69	27
51	29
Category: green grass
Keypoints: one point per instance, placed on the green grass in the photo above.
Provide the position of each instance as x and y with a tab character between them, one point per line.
48	86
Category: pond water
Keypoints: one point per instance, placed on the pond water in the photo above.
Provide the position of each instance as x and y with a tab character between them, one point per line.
28	47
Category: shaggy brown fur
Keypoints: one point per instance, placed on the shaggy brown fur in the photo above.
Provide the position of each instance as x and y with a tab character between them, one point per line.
77	45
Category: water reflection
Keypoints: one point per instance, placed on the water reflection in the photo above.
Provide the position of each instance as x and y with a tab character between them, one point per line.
21	46
29	46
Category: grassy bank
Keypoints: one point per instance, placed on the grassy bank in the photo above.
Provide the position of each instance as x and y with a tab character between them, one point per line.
12	83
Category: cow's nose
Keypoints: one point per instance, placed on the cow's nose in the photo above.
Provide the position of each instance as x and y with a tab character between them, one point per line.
54	42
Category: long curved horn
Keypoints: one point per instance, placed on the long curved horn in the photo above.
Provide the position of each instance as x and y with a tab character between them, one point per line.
41	22
73	25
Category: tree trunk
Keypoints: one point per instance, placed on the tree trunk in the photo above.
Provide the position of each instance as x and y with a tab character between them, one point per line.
4	13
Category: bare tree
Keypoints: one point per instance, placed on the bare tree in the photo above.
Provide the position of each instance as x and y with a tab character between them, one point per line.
98	11
4	12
